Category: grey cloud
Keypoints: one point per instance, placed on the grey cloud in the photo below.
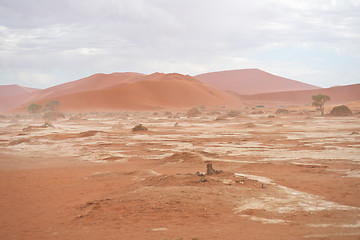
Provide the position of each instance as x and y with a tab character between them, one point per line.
74	38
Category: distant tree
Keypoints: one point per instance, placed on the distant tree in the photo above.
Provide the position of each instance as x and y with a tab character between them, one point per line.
51	106
319	102
34	108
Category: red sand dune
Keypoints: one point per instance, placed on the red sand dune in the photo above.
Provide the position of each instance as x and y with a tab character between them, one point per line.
338	95
251	81
150	92
94	82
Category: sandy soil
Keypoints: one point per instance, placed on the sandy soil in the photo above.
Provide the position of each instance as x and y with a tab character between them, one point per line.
89	176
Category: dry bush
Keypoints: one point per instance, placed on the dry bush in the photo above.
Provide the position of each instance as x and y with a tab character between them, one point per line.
340	111
193	112
220	118
257	112
139	127
233	113
53	116
282	111
250	125
214	113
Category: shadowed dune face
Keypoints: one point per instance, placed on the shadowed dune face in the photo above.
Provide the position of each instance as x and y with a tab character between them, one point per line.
252	81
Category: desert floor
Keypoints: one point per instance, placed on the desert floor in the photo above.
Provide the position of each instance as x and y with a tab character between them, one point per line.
294	176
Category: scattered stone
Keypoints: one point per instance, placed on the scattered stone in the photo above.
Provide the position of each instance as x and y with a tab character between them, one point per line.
203	179
199	174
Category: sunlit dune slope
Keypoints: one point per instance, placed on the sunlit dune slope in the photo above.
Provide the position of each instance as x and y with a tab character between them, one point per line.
155	91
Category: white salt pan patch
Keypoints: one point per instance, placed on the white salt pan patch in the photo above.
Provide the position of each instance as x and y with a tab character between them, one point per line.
265	220
159	229
355	225
286	200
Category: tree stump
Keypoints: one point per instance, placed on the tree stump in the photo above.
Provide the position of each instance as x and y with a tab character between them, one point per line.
210	170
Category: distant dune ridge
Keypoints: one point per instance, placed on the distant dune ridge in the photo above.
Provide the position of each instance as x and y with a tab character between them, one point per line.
14	95
338	95
136	91
15	90
131	91
252	81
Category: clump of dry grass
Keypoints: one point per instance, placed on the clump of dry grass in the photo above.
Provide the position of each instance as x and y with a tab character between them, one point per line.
193	112
282	111
233	113
220	118
53	116
250	125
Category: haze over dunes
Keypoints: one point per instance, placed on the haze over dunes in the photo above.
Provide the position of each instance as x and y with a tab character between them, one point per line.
338	95
136	91
13	95
251	81
14	90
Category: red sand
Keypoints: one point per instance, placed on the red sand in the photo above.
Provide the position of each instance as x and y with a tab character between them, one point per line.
251	81
71	182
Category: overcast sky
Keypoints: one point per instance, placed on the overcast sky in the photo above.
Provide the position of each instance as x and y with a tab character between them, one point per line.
48	42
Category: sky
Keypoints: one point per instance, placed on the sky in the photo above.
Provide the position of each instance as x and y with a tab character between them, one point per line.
48	42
